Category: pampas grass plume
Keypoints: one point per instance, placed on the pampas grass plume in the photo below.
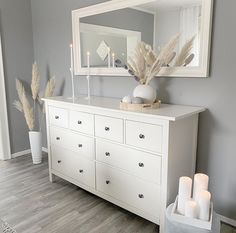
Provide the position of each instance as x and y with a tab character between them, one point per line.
28	112
50	87
35	81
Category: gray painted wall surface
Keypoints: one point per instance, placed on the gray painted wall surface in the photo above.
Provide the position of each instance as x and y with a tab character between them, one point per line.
128	19
217	129
17	41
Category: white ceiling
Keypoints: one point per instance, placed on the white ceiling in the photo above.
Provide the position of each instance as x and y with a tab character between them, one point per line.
163	4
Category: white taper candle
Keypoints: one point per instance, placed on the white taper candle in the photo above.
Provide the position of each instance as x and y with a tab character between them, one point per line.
72	71
204	201
113	60
109	57
184	195
88	76
191	209
200	183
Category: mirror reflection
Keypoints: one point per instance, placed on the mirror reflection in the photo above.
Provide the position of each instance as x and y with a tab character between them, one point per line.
109	39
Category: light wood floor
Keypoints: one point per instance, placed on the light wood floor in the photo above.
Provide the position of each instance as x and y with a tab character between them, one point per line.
31	204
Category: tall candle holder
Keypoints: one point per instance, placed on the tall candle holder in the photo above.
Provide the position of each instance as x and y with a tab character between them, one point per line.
72	72
88	76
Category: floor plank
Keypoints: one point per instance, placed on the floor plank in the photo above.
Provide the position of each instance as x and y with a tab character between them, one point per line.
31	204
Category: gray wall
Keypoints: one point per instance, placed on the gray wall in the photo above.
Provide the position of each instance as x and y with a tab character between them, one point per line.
17	41
217	130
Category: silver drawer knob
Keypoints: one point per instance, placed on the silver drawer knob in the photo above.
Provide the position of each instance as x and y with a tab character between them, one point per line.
107	182
141	136
81	171
57	117
141	196
79	122
141	164
58	138
80	145
107	128
59	161
107	154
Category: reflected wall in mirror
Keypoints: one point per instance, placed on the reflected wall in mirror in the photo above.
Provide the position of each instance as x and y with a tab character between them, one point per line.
109	33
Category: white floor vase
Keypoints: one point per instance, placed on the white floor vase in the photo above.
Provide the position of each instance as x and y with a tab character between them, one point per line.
36	146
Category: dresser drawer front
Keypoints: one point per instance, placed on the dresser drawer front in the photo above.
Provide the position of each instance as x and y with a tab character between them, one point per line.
82	122
142	195
74	166
80	144
109	128
144	135
144	165
58	117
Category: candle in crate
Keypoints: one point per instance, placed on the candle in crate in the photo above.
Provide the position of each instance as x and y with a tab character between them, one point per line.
204	202
200	183
185	190
191	209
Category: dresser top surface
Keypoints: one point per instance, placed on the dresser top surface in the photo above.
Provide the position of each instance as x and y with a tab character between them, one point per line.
166	111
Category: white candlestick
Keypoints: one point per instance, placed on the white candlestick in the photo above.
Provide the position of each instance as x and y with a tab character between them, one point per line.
72	71
88	76
204	201
200	183
191	209
109	57
184	195
113	60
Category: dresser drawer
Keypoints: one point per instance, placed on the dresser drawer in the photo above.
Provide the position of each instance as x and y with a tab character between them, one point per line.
128	189
144	165
58	117
72	165
80	144
109	128
82	122
144	135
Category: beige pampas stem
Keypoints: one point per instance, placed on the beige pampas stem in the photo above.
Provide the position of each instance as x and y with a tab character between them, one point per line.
20	89
35	81
18	105
50	87
28	112
185	52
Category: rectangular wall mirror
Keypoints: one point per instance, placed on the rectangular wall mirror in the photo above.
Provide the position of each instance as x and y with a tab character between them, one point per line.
105	35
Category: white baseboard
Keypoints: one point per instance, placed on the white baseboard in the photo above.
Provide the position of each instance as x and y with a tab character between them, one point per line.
20	153
26	152
229	221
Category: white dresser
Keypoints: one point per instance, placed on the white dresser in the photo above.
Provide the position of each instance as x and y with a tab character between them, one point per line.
132	159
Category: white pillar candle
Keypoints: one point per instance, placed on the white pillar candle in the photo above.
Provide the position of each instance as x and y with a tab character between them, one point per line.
200	183
109	57
113	60
184	195
204	201
191	209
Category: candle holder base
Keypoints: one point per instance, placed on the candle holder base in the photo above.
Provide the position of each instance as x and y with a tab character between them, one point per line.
175	216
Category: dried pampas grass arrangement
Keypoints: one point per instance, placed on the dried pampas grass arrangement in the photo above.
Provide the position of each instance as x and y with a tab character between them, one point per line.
23	104
146	64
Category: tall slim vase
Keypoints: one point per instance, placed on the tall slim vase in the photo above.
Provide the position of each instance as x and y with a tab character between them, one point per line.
35	138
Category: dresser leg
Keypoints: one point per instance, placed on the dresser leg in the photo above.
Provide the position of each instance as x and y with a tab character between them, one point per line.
51	177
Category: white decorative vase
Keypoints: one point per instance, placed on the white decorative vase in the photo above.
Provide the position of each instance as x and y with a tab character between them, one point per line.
146	92
35	138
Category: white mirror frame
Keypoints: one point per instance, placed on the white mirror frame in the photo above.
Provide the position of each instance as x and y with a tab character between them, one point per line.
205	41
